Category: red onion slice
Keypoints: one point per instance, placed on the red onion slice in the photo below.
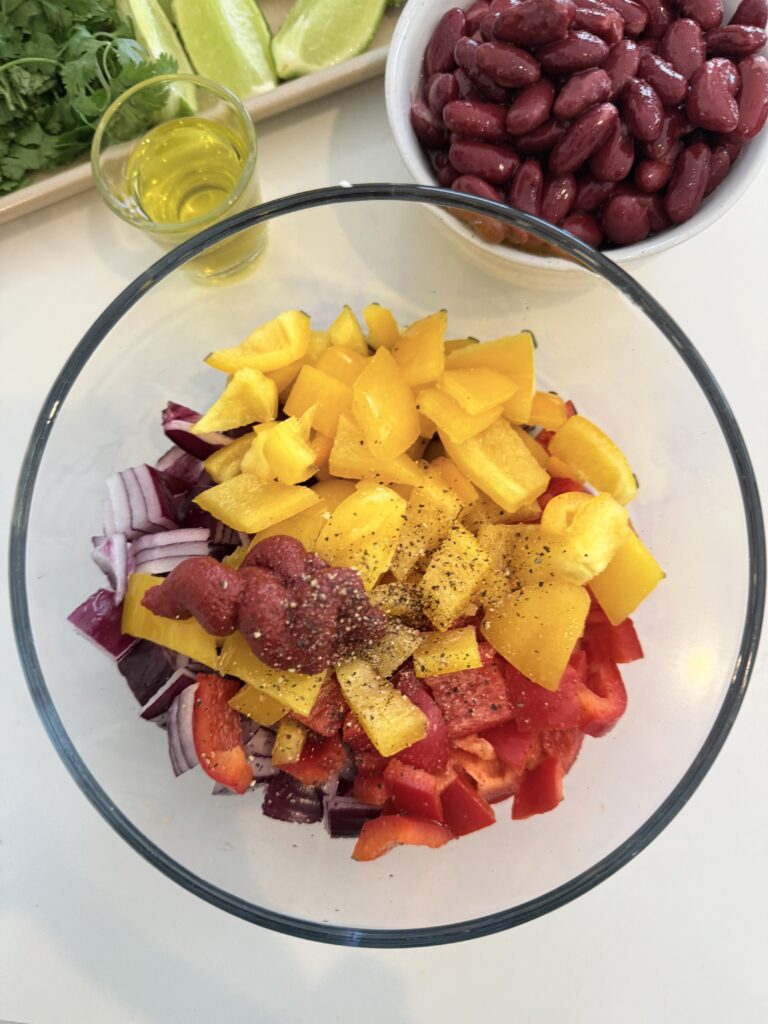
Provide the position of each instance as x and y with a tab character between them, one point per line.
113	557
177	423
181	743
157	707
99	619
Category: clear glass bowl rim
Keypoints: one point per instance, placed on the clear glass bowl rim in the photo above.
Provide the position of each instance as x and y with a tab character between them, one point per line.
590	259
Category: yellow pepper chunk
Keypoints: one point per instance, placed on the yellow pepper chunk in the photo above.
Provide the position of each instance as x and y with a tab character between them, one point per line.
351	459
289	741
383	331
258	706
454	573
477	389
363	531
250	396
186	636
321	446
328	396
536	628
440	653
590	451
590	528
249	505
394	648
285	376
293	690
384	407
500	465
450	419
512	355
420	352
306	526
431	513
342	363
485	511
548	410
538	451
319	343
333	492
226	462
452	476
346	331
556	467
454	344
290	455
629	578
390	721
271	347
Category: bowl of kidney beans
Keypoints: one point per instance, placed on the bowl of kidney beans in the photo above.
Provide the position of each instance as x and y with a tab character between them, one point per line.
632	124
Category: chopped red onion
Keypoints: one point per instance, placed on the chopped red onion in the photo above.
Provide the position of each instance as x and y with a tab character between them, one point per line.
119	504
157	707
181	743
113	557
137	502
287	799
262	767
177	423
345	816
161	511
260	743
184	537
180	470
147	667
100	619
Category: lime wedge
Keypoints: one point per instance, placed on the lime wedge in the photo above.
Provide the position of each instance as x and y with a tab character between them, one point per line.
319	33
228	41
155	32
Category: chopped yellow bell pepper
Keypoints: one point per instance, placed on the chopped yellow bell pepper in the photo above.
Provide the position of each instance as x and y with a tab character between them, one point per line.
484	511
293	690
399	601
427	429
290	455
536	628
452	476
500	465
590	528
333	492
383	331
250	396
629	578
538	451
304	527
590	451
394	648
351	459
450	419
346	331
441	653
186	636
429	517
255	462
321	446
319	343
548	410
477	389
271	347
226	462
454	573
384	407
285	376
513	356
342	363
454	344
390	721
557	468
420	352
289	742
258	706
329	397
362	532
249	505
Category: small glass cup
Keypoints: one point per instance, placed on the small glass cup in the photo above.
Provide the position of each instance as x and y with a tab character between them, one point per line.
176	154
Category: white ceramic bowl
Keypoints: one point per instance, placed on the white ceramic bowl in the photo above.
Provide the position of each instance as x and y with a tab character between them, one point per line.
403	76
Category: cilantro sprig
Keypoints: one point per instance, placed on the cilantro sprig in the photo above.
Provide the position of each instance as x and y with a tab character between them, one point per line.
62	62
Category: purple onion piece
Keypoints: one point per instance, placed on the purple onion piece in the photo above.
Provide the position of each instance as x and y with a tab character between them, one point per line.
287	799
345	816
146	668
113	557
137	502
161	511
156	708
170	538
260	742
177	423
179	470
181	743
117	495
99	619
262	768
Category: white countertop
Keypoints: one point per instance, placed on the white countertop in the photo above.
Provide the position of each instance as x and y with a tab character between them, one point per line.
90	932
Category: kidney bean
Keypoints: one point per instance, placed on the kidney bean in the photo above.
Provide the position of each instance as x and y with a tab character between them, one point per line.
625	220
581	91
477	120
488	27
525	193
467	90
653	175
707	13
673	127
508	65
446	174
441	89
643	110
558	197
751	12
465	53
657	215
719	165
490	161
753	99
591	193
474	16
668	84
688	183
439	53
477	187
733	149
541	139
576	52
585	227
535	22
711	104
486	87
683	46
735	41
499	6
531	107
429	131
600	19
621	64
634	15
648	45
489	228
586	134
659	17
613	160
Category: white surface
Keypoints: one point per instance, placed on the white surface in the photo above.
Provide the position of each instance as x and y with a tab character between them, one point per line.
90	932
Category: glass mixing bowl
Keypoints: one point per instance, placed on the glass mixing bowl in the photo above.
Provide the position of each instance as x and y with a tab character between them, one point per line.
602	341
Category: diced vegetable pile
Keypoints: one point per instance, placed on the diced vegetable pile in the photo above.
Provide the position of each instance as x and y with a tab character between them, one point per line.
382	574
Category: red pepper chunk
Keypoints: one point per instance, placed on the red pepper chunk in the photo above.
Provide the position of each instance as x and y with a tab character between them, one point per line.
217	733
495	780
413	790
371	789
541	789
533	707
558	485
473	699
604	641
464	810
512	745
382	834
328	711
603	699
320	758
433	752
562	743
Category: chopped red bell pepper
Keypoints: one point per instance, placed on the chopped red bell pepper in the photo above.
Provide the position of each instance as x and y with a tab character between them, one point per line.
558	485
562	743
321	756
328	711
381	834
354	735
533	707
544	437
541	789
371	789
433	751
603	698
616	643
217	733
413	790
512	745
464	810
495	780
474	698
570	408
369	762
